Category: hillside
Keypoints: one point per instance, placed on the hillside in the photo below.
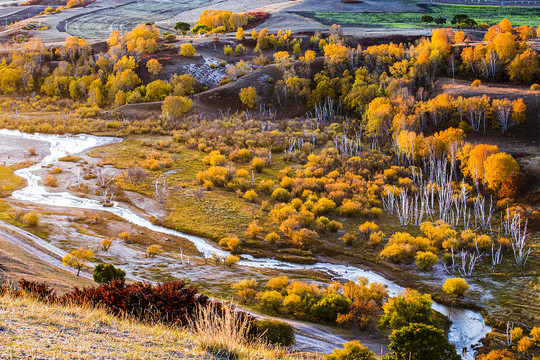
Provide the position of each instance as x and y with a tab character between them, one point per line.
33	329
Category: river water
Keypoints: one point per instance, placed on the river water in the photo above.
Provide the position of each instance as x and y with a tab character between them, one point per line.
468	326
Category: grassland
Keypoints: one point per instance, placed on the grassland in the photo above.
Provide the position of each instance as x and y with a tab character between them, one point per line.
482	14
8	180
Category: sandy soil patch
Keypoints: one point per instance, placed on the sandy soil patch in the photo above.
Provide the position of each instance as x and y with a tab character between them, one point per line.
14	150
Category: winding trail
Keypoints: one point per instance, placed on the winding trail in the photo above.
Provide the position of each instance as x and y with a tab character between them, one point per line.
468	326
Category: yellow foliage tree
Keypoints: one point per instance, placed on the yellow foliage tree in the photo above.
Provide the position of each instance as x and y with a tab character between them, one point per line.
158	90
282	59
497	168
246	289
505	46
524	67
183	84
78	259
154	66
473	158
379	114
175	106
505	25
153	250
187	50
248	96
455	287
106	244
459	37
240	34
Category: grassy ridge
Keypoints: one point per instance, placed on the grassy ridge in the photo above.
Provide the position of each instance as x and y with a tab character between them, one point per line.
482	14
33	329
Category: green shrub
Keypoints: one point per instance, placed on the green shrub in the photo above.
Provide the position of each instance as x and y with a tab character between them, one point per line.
329	307
275	332
104	273
421	342
201	28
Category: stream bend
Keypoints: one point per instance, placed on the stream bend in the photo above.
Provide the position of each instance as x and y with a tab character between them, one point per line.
468	326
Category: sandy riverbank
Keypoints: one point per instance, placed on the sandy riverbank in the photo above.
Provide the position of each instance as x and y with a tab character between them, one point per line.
14	150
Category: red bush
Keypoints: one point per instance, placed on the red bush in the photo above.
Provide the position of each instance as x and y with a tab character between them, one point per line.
171	301
256	18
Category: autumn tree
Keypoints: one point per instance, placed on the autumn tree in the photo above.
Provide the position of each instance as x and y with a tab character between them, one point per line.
245	289
74	48
497	168
425	260
183	84
282	59
505	46
248	96
175	106
153	250
228	50
141	41
78	259
379	115
410	307
459	37
455	287
473	158
106	244
278	283
351	350
367	228
304	237
336	53
154	67
125	80
31	219
497	355
508	113
298	86
187	50
233	243
157	90
363	313
524	68
125	63
240	34
214	18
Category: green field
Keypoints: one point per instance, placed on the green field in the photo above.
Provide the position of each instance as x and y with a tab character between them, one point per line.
482	14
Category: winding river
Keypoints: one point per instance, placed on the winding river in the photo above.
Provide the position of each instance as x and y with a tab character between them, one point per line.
467	329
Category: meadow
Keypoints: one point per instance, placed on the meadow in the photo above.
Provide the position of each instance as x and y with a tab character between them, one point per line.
407	20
